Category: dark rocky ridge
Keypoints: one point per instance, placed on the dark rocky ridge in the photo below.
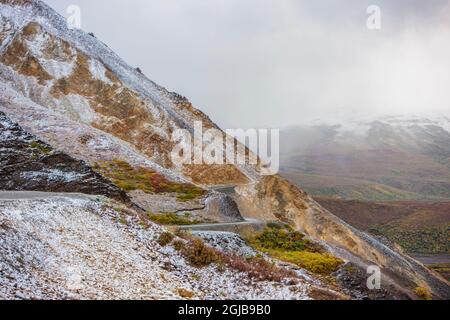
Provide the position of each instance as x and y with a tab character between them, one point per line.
27	163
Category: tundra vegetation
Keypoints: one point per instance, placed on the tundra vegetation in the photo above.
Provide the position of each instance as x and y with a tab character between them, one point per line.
173	219
431	240
282	242
423	293
200	255
130	178
40	146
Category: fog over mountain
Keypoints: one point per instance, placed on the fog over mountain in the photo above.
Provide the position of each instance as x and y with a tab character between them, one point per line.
385	158
277	64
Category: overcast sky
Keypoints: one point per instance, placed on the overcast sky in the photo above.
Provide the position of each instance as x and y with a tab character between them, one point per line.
273	63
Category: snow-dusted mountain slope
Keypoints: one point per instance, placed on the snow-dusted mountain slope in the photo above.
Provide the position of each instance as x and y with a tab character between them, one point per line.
78	78
395	131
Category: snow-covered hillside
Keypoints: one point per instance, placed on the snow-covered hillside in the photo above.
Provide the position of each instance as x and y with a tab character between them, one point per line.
79	247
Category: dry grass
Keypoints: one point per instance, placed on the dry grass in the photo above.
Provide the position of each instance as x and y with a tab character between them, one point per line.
186	294
165	238
199	254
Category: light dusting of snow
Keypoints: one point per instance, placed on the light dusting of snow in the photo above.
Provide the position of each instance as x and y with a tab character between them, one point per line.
52	175
79	248
57	25
98	71
57	69
361	125
58	130
227	242
5	135
165	114
77	108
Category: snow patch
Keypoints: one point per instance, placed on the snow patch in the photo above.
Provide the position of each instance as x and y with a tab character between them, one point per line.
77	108
98	71
52	175
57	69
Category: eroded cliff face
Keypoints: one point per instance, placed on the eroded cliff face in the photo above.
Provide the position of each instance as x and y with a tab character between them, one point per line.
274	198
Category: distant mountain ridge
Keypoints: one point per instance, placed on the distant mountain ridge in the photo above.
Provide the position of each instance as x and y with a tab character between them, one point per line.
385	158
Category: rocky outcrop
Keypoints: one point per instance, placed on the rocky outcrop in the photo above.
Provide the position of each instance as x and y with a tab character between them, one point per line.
27	163
223	207
227	242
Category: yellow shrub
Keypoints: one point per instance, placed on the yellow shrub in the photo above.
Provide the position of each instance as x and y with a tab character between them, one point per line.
322	263
423	293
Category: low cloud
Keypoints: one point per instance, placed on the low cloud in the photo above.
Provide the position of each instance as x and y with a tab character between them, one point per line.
259	63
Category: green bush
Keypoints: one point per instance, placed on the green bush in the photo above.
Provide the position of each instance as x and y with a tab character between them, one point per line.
284	243
190	194
41	147
283	238
172	219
